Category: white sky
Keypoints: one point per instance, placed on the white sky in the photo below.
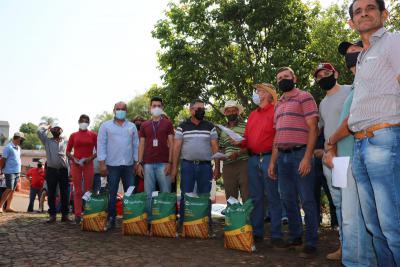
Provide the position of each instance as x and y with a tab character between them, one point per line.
68	57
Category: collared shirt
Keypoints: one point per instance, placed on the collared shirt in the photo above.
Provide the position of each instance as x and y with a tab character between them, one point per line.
196	139
118	144
228	147
377	90
259	134
291	114
12	154
83	143
55	151
37	175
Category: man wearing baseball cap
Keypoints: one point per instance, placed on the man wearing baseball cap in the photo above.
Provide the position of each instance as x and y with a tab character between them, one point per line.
330	108
235	165
355	236
10	165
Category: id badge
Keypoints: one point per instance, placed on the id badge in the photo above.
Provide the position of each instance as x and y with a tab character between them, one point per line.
155	142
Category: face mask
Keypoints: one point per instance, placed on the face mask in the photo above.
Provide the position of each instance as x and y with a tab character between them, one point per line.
39	166
137	126
351	59
21	141
83	126
120	114
286	85
199	113
232	117
256	98
56	134
156	112
327	83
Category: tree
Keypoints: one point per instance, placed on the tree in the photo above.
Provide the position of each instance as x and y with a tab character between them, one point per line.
48	120
28	128
32	141
216	49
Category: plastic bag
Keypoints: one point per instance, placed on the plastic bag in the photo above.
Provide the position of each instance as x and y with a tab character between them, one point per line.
134	220
238	232
163	222
95	214
195	221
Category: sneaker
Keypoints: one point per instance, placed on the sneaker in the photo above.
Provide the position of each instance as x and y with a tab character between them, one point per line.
52	219
78	220
308	252
335	256
258	238
66	219
278	244
285	220
110	224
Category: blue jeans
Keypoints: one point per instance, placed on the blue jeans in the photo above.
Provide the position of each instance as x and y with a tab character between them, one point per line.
259	182
336	195
96	182
154	173
292	185
376	168
115	173
357	249
191	174
33	192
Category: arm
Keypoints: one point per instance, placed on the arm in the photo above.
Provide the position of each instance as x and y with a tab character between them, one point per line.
140	156
135	144
168	167
175	157
102	150
42	134
215	149
272	162
305	164
2	164
339	134
70	146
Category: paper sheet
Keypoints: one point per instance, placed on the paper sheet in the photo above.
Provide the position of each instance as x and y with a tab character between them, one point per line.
339	171
219	155
129	191
235	136
87	196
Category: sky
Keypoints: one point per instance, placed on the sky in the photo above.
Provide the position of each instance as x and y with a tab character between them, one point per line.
68	57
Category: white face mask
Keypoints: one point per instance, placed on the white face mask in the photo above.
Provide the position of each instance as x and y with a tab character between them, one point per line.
156	112
256	98
83	126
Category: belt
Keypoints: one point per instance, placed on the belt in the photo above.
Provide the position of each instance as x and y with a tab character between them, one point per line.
259	154
291	149
369	132
198	162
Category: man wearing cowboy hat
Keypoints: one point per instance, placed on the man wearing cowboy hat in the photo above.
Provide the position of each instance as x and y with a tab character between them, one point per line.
235	165
258	139
10	165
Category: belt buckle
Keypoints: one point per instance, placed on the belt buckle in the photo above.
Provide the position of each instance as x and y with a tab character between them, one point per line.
197	162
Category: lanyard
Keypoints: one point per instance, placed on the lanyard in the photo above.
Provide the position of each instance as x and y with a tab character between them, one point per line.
155	125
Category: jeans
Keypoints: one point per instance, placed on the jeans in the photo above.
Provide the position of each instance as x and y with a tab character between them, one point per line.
58	177
11	180
357	249
259	182
96	183
33	192
154	173
80	173
194	173
336	195
292	185
376	168
115	174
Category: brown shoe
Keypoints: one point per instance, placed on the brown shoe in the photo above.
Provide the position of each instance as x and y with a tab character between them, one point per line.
10	210
65	218
52	219
335	256
308	252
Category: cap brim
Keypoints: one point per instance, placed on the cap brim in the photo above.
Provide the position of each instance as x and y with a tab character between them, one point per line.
343	46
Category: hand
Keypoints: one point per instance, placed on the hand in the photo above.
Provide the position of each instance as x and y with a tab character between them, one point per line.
318	153
233	142
86	161
103	169
174	172
327	158
216	174
271	171
139	170
167	169
305	167
233	156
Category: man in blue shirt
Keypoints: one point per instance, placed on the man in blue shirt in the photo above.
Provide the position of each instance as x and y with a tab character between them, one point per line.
117	145
10	165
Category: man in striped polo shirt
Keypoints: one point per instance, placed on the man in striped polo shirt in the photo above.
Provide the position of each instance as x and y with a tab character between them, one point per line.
196	140
375	121
295	120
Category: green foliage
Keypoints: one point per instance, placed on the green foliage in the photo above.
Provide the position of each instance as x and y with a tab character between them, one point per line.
394	17
99	119
28	128
32	141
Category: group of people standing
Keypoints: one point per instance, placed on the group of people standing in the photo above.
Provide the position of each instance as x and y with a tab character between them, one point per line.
276	155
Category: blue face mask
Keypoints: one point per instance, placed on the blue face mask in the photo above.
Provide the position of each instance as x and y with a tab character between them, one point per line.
256	98
120	114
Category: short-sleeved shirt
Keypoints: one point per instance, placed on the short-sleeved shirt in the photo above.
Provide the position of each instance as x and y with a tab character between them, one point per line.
228	148
37	175
376	88
55	150
291	114
83	142
196	139
157	152
12	155
345	147
330	109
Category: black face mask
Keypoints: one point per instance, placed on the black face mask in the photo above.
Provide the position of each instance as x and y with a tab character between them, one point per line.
351	59
232	117
286	85
138	126
56	134
21	141
327	83
39	166
199	113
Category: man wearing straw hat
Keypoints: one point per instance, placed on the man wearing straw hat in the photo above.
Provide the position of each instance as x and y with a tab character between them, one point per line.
235	165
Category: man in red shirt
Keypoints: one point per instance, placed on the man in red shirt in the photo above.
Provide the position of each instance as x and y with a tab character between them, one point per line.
295	120
258	139
83	143
155	151
36	177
